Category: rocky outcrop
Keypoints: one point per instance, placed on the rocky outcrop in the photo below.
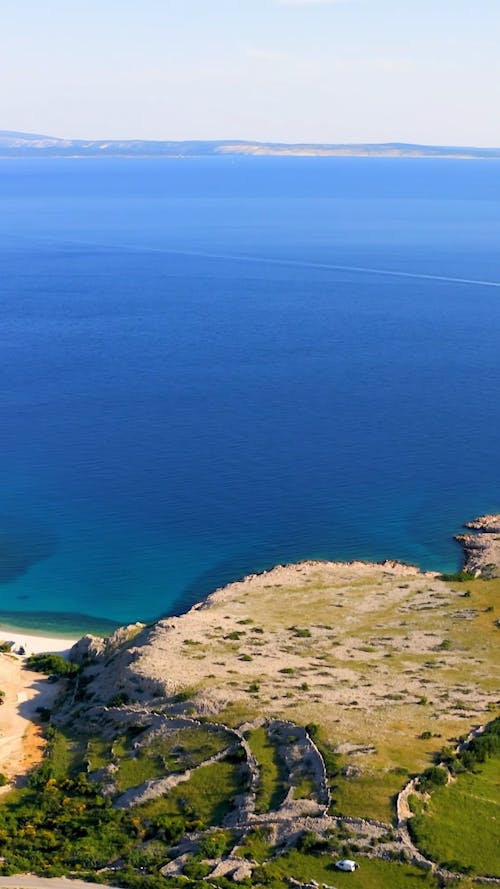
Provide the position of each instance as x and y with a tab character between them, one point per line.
91	649
482	549
488	523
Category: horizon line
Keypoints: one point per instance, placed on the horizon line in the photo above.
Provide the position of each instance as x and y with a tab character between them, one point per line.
238	140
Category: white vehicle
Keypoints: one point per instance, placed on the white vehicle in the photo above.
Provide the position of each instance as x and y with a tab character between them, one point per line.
347	864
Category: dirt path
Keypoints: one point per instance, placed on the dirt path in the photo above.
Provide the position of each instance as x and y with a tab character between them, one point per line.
28	881
21	742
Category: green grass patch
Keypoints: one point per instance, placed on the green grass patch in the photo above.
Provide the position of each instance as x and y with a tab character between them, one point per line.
65	755
304	788
138	767
178	751
255	846
98	753
372	873
368	795
272	785
460	824
202	801
185	749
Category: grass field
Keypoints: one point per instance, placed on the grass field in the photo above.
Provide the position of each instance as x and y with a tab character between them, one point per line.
370	795
372	873
98	753
178	751
203	800
134	769
272	787
462	822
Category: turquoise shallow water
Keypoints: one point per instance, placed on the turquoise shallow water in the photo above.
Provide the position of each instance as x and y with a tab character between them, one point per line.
209	366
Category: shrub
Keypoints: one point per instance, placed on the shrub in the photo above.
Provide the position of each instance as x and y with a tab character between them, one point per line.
196	870
51	664
434	776
310	842
119	699
214	845
457	577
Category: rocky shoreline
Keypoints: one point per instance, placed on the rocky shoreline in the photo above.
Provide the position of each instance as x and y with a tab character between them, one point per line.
141	663
482	549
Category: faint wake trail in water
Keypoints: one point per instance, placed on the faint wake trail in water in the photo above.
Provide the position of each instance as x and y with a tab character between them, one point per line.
327	266
276	261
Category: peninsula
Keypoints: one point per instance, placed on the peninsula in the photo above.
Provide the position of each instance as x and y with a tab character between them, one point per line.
14	144
312	713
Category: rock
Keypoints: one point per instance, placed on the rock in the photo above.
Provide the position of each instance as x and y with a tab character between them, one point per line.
482	550
94	648
487	523
236	869
351	771
243	872
88	648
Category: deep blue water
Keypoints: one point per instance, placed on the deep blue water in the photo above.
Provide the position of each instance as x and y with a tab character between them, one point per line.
190	391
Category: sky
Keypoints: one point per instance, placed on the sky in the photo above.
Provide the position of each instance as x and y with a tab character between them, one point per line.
423	71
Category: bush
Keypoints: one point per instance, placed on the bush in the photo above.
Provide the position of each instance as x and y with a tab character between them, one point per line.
51	664
196	870
301	632
434	776
119	700
457	577
214	845
310	842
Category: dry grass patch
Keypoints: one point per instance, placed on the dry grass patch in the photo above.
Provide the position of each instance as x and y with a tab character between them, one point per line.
391	656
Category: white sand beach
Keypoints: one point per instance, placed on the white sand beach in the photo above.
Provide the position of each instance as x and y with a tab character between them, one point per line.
34	643
21	742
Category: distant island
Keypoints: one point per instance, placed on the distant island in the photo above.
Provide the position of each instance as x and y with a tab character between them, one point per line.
14	144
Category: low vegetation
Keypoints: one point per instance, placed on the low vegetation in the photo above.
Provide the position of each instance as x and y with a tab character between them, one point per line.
61	822
198	803
272	786
380	687
51	664
314	865
458	825
164	754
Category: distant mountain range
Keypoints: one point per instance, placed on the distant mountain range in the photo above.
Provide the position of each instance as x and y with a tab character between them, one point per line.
13	144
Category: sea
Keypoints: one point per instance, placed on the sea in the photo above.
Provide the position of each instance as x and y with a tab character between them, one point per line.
209	366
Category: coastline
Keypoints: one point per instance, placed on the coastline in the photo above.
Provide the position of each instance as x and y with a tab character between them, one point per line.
35	643
480	557
162	660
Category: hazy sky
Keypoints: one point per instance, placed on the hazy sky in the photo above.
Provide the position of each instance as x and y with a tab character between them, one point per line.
291	70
